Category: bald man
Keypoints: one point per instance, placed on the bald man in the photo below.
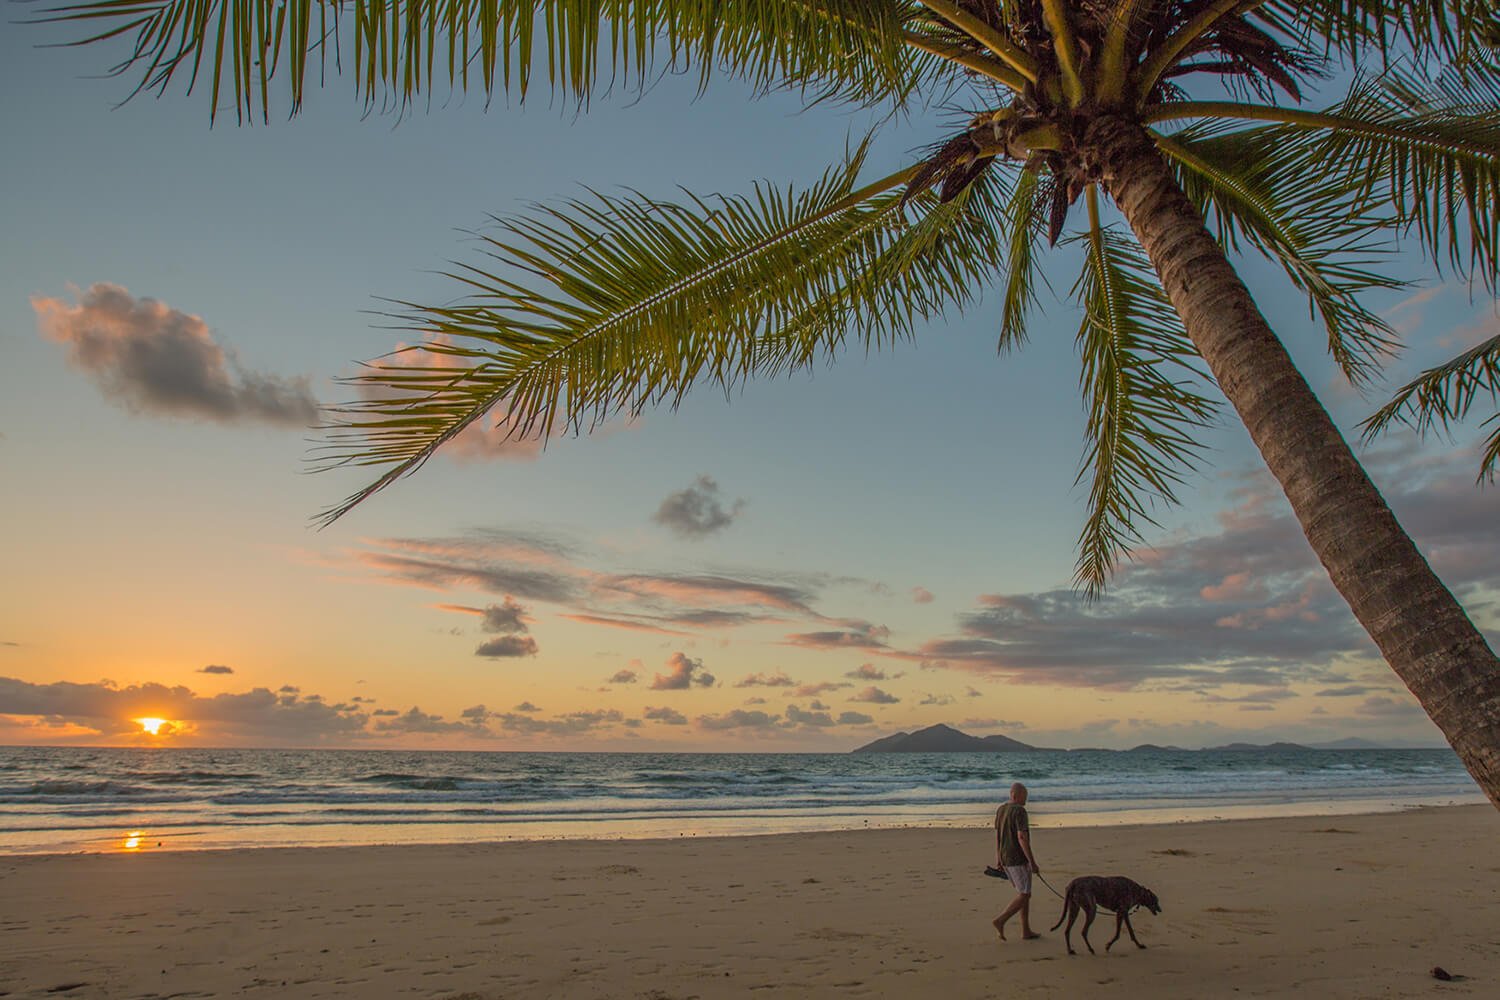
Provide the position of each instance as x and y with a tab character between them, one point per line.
1013	854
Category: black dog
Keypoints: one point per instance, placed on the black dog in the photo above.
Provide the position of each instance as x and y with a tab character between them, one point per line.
1116	893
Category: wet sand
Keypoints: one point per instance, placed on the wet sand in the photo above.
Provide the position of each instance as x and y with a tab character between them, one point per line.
1347	906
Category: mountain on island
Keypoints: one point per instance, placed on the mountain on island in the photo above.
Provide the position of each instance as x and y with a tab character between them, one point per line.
942	739
1156	748
1258	747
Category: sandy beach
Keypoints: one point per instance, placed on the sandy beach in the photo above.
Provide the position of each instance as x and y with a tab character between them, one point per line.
1348	906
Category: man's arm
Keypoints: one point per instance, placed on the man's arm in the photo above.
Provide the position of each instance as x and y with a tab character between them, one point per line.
1023	837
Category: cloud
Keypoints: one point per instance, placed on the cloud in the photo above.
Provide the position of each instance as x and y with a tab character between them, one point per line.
737	719
697	511
921	595
526	706
154	359
1243	604
1383	707
568	724
381	712
417	721
624	676
215	668
670	716
875	696
508	618
507	646
822	687
258	714
778	679
855	719
798	717
937	699
684	672
867	672
1347	691
856	635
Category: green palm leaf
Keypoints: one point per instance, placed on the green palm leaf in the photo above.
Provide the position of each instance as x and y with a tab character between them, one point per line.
1138	369
1442	396
402	49
1241	182
1421	157
610	304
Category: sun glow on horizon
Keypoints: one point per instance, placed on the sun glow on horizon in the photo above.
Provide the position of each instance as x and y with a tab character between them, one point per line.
151	725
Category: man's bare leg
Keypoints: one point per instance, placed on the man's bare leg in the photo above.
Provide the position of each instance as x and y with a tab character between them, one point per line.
1027	933
1022	905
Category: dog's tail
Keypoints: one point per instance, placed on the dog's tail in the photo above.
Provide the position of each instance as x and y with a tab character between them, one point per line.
1067	901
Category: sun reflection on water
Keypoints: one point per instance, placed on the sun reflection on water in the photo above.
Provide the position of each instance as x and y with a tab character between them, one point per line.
132	841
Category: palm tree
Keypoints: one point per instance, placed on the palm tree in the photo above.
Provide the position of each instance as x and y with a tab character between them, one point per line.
1181	118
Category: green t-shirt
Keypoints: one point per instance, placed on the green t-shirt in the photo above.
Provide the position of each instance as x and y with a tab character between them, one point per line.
1010	822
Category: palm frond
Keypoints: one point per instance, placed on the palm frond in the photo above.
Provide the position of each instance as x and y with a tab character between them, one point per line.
1313	231
1423	158
1025	223
403	49
609	304
1442	31
1442	396
1138	369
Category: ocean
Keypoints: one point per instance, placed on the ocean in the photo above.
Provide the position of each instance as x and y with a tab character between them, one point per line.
76	799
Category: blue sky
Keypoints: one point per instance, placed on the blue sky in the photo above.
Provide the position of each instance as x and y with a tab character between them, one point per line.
145	545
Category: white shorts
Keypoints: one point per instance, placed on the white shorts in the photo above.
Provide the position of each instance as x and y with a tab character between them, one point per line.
1020	877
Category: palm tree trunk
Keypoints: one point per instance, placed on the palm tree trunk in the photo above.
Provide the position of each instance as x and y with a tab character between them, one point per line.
1418	625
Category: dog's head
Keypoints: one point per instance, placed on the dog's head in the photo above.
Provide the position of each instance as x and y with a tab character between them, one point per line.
1150	902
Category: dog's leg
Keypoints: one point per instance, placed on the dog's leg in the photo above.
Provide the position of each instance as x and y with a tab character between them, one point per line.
1119	920
1072	911
1088	920
1132	932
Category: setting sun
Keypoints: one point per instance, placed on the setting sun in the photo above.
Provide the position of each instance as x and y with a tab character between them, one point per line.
152	726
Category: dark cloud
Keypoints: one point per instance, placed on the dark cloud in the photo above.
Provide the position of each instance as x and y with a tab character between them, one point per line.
1348	691
417	721
380	712
526	706
855	719
478	713
778	679
624	677
875	696
1245	604
856	635
867	672
816	720
258	714
670	716
154	359
697	511
507	646
288	689
737	719
697	590
860	637
936	699
755	701
683	672
508	618
569	724
215	668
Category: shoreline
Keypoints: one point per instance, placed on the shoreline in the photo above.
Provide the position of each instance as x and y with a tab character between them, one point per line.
228	838
1360	906
144	841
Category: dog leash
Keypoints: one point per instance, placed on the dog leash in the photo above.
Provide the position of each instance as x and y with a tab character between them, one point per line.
1064	898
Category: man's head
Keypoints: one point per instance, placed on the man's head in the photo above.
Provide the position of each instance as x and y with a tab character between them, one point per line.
1018	794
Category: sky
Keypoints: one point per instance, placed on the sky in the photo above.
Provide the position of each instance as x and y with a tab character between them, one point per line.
877	545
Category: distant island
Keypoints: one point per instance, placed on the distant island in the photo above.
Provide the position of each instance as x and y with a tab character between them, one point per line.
945	739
